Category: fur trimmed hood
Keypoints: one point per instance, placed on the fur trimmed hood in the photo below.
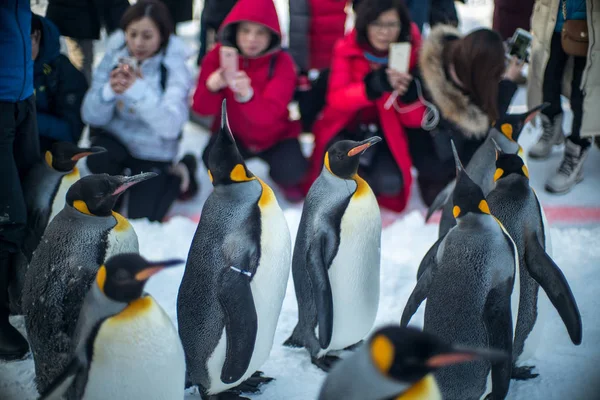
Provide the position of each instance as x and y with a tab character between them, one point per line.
454	105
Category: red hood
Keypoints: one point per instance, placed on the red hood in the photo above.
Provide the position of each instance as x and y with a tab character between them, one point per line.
259	11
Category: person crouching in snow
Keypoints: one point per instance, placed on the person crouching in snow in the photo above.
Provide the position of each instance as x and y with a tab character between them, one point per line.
137	106
360	85
258	95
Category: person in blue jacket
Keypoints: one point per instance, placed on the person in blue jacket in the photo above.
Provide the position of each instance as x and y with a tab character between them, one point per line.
19	150
59	87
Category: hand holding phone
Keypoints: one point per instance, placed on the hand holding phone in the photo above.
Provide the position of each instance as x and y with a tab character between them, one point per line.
130	62
228	57
399	56
519	44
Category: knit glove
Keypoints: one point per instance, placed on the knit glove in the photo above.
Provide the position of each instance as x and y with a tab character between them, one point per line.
376	84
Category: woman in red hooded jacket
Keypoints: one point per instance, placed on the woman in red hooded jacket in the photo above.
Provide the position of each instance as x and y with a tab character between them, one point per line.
360	84
258	98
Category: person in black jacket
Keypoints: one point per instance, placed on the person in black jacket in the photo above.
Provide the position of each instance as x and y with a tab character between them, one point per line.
213	15
457	75
19	151
59	87
80	22
180	10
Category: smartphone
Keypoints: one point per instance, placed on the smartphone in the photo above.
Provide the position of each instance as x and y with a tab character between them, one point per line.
131	62
229	62
519	44
400	56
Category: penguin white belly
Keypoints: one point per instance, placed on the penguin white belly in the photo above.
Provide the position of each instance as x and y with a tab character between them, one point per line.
268	291
354	272
58	203
121	238
137	355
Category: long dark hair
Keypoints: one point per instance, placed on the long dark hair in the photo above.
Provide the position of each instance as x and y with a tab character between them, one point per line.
479	61
368	11
156	11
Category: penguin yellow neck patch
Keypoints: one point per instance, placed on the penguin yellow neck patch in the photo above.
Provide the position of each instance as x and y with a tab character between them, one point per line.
73	174
267	197
80	206
484	207
456	211
525	171
507	130
362	187
382	352
48	158
498	174
238	174
101	278
426	388
210	176
134	309
326	162
122	223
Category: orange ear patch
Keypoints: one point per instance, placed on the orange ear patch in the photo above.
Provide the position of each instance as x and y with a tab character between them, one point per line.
507	130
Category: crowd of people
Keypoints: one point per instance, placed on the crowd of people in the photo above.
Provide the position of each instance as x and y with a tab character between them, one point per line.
137	100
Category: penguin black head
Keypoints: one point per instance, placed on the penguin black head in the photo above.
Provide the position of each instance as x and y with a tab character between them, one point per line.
408	354
97	194
507	163
343	157
64	155
123	277
468	196
511	125
225	163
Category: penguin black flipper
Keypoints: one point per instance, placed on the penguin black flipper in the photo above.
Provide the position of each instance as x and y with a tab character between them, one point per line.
545	271
241	321
63	382
498	321
441	199
418	294
320	256
429	258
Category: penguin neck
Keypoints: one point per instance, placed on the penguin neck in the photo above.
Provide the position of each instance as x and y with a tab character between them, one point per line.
475	221
507	145
426	388
73	210
240	190
514	185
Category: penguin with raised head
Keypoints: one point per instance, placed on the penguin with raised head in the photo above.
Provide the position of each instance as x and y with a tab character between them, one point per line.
505	132
398	363
235	278
516	205
77	241
45	189
125	345
336	259
471	286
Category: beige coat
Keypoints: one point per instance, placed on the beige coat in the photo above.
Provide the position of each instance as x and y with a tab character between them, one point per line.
542	27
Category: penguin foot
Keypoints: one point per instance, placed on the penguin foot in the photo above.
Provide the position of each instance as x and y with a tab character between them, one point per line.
252	384
325	363
354	346
523	373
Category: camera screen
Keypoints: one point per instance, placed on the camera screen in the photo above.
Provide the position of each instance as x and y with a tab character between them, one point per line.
520	46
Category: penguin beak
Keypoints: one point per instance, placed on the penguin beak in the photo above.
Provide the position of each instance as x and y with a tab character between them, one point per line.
129	181
459	354
363	146
154	268
87	152
535	111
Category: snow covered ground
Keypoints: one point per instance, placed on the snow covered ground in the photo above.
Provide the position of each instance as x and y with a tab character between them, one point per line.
566	371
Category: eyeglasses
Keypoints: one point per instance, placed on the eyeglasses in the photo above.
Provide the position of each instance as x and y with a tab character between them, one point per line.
387	26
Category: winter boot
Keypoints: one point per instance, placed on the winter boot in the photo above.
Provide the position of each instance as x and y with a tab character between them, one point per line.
552	134
13	345
570	171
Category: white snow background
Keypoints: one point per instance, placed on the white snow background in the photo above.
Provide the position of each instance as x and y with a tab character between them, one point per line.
566	371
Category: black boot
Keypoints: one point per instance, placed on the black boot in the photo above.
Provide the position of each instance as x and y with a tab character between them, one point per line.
13	345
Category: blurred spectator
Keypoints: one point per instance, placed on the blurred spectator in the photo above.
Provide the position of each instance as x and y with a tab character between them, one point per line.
512	14
548	69
80	21
258	96
138	104
418	9
59	87
443	12
180	10
213	15
19	151
360	83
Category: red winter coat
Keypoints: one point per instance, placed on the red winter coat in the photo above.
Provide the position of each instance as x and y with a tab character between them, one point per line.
264	120
346	96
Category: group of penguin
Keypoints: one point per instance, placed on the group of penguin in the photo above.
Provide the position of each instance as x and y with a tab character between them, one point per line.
95	334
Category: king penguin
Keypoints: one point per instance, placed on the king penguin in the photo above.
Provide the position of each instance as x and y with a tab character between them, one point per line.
45	189
516	205
336	259
505	132
235	278
77	241
468	284
398	363
125	345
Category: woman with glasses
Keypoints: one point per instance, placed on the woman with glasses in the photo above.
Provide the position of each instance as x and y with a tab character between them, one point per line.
357	100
